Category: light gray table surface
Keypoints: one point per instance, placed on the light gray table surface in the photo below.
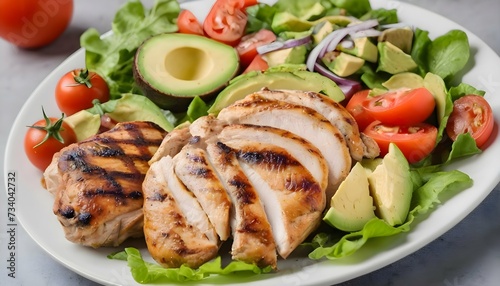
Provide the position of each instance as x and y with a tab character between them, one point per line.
468	254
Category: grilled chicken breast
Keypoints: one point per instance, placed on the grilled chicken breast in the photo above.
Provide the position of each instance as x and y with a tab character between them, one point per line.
302	121
293	200
176	228
97	184
172	144
253	240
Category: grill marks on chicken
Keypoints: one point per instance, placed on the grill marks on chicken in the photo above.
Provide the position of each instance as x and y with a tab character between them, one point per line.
97	184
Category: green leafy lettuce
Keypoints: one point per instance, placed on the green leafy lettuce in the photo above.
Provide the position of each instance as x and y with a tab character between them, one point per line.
146	272
112	55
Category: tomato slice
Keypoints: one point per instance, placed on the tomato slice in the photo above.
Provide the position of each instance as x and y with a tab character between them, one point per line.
188	24
247	47
472	114
401	107
415	141
226	20
355	107
257	64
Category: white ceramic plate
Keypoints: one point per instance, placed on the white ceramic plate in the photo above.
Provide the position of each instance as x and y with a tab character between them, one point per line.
35	204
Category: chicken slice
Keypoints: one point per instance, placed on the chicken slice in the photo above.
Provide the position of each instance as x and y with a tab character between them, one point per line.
371	148
302	150
292	198
301	121
97	184
194	169
176	228
331	110
206	127
253	240
172	144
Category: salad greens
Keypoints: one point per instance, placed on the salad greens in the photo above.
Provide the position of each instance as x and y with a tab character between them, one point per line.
112	56
445	56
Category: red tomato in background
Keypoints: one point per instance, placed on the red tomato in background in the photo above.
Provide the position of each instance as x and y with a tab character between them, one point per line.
188	24
472	114
415	141
401	107
34	23
77	89
46	137
227	20
356	109
258	64
247	47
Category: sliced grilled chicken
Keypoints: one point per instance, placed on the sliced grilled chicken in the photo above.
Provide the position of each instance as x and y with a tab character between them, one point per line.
176	228
252	235
97	184
301	121
292	198
172	144
194	169
331	110
371	149
206	127
302	150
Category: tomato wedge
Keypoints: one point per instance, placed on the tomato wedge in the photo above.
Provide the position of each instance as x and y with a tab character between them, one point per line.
401	107
188	24
355	107
247	47
227	20
415	141
472	114
258	64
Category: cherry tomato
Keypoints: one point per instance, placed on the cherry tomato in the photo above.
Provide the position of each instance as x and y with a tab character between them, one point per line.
77	89
472	114
415	141
34	23
257	64
401	107
355	107
188	24
247	47
45	138
226	20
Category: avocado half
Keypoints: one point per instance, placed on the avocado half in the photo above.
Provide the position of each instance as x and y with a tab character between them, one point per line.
172	69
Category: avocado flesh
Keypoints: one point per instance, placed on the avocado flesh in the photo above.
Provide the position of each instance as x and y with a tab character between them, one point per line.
171	69
352	206
294	55
436	86
400	37
393	60
404	80
299	80
363	48
391	187
344	64
285	21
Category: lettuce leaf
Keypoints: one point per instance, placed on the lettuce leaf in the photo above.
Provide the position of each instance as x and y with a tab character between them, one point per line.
146	272
112	56
424	198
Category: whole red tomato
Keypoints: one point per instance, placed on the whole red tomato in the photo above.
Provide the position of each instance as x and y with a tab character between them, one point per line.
46	137
34	23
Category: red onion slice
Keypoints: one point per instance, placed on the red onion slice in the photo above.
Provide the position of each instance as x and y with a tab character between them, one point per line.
279	45
348	86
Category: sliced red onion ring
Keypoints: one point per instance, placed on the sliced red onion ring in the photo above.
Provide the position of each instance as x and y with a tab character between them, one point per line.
330	42
279	45
347	44
365	33
348	86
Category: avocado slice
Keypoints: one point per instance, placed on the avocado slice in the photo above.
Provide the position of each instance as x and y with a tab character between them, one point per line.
171	69
363	48
343	64
285	21
320	31
391	187
294	55
298	80
400	37
393	60
351	206
404	80
435	85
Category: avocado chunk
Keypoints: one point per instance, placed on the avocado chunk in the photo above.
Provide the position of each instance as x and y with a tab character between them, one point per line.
404	80
391	187
294	55
400	37
363	48
320	31
84	124
393	60
171	69
435	85
351	206
298	80
285	21
342	64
